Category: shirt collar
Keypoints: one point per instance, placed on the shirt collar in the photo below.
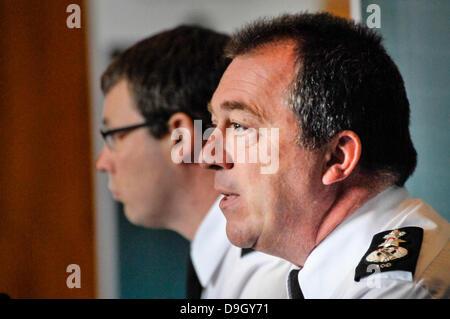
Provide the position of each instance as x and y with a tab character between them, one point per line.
329	263
210	244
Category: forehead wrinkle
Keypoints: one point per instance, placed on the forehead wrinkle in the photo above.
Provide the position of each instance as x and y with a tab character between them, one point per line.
236	105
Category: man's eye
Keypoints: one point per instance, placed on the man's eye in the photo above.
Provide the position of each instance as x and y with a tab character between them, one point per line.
119	135
238	127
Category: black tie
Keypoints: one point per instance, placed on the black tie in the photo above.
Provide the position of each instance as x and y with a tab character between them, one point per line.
294	288
193	286
246	251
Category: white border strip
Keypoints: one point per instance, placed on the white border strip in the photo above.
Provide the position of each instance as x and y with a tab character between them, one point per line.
106	228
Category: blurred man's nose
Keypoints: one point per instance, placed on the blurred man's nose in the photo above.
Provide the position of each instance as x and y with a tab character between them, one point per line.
103	163
213	154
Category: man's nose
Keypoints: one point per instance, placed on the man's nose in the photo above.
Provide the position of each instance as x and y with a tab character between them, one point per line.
103	162
214	154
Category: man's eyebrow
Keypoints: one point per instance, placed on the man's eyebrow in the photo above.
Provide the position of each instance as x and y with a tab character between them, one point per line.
236	105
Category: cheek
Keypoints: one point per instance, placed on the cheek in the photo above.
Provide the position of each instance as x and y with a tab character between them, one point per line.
151	169
263	201
141	170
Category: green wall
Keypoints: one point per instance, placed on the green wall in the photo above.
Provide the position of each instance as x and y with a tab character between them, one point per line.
416	34
152	262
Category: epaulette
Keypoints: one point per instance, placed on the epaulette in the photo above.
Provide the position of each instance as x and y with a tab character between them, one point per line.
396	249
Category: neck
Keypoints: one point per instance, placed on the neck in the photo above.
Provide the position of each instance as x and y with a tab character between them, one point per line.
346	204
347	199
195	195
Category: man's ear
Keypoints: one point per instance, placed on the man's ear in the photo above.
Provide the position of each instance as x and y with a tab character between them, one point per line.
181	131
342	156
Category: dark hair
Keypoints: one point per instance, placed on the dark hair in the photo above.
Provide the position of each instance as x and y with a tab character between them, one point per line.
173	71
345	81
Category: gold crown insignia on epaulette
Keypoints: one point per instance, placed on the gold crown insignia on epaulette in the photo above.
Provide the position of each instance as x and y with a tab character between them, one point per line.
390	248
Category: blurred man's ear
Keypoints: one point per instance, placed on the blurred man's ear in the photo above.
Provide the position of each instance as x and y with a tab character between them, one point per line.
181	132
342	156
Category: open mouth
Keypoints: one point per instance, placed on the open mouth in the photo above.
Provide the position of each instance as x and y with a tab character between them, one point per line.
228	201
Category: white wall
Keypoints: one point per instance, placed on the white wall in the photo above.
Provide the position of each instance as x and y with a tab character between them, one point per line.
113	23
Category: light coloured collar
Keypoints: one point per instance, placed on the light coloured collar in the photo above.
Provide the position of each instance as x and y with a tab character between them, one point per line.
210	244
329	263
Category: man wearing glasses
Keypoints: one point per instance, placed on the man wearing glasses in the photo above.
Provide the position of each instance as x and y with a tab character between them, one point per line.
160	85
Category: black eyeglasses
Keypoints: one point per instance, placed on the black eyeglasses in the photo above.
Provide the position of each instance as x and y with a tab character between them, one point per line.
108	136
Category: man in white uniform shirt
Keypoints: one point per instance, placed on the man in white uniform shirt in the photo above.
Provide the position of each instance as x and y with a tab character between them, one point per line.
154	88
225	271
336	207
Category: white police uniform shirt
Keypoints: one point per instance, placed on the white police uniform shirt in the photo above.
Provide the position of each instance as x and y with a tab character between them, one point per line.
329	271
224	273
